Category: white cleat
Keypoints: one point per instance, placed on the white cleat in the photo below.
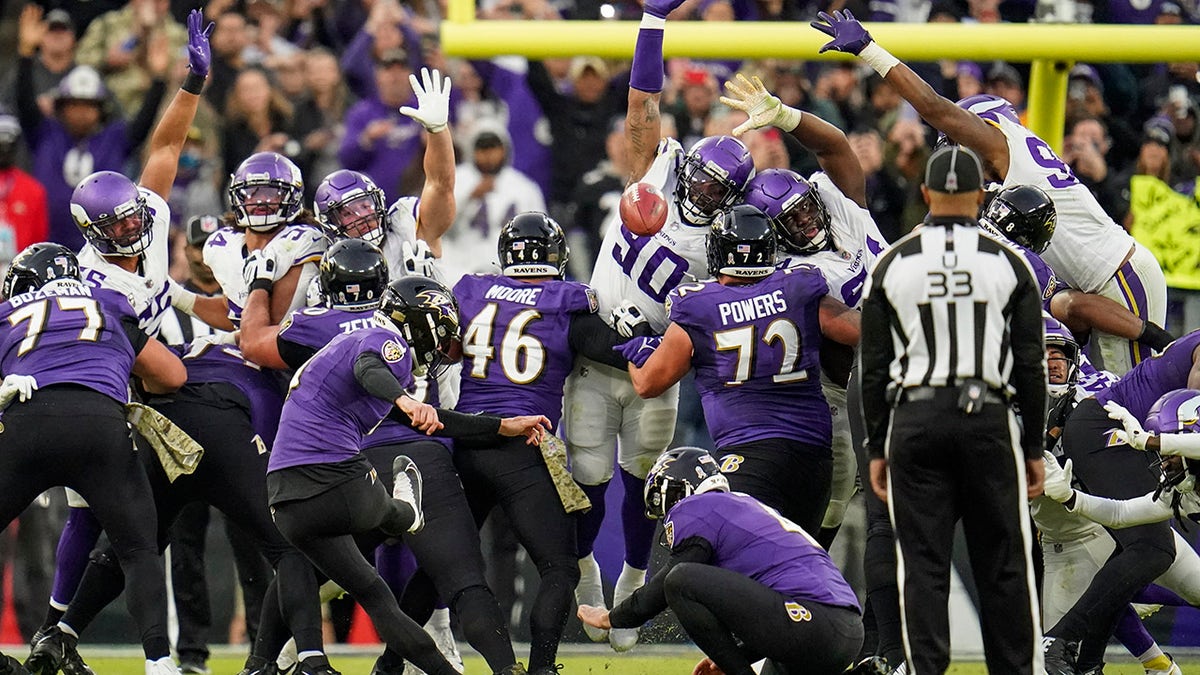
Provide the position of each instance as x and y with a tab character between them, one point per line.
590	591
288	656
1173	670
407	488
438	628
164	666
631	579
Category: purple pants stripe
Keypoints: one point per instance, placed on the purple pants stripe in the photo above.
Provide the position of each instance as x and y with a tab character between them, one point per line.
1136	300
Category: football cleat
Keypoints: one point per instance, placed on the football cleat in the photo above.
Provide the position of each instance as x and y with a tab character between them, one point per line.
515	669
315	665
438	628
11	666
1173	670
56	651
631	579
548	670
872	665
407	488
258	666
164	666
590	591
1060	656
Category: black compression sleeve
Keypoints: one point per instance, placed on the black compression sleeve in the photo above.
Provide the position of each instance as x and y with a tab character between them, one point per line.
647	601
137	337
293	354
591	337
458	425
373	375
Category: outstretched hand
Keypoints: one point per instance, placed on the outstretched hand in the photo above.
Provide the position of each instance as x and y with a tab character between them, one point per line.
596	617
761	106
532	427
199	52
848	34
433	100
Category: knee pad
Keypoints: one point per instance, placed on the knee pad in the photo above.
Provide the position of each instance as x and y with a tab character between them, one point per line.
591	465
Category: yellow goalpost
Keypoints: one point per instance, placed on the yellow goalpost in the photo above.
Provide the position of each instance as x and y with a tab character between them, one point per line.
1051	49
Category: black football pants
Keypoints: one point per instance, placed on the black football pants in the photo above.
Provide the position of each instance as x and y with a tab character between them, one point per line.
791	477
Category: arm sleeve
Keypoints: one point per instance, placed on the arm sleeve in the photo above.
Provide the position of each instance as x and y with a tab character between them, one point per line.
647	601
137	337
458	425
593	338
1029	358
875	359
295	355
1120	513
143	123
374	376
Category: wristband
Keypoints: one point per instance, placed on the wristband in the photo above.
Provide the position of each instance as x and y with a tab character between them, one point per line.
653	22
262	285
183	300
1154	337
193	83
878	58
788	118
1183	445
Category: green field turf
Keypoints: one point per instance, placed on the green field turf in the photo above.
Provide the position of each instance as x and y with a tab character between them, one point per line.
574	665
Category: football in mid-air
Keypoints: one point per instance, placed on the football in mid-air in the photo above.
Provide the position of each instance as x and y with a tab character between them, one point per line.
643	209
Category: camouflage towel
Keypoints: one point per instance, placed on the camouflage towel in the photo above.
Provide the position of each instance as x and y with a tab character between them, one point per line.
178	453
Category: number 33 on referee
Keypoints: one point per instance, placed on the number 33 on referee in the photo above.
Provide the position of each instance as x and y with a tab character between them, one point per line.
951	335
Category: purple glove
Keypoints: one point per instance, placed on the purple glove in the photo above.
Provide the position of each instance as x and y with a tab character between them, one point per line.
199	54
660	8
638	350
848	34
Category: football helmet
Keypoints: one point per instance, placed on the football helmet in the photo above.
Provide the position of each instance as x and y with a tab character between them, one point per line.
350	204
266	192
741	243
679	473
1175	412
37	266
795	208
712	177
425	314
112	214
353	276
532	244
990	108
1023	214
1059	337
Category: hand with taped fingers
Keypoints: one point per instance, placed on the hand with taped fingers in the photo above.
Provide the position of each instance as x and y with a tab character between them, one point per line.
20	387
763	108
433	100
1057	483
1132	434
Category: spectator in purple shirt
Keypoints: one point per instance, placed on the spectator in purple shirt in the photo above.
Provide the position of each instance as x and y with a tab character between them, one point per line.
380	141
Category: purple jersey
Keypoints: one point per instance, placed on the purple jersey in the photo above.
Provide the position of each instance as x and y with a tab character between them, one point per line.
328	415
752	539
756	355
1047	282
516	353
315	327
1138	389
210	362
69	334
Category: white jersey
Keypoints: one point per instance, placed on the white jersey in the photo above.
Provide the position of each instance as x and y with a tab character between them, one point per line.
856	243
225	253
1087	246
643	270
148	291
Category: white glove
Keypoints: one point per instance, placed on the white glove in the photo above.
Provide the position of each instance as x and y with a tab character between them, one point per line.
181	298
1133	434
763	107
20	387
433	100
1058	479
262	265
418	259
626	318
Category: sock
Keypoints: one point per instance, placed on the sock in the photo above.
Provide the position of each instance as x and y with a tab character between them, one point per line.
79	536
68	630
1157	595
631	579
638	529
396	564
587	527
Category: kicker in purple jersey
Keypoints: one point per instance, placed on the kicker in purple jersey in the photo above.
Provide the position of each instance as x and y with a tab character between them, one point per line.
752	539
1138	389
225	364
516	352
68	334
316	327
328	415
756	356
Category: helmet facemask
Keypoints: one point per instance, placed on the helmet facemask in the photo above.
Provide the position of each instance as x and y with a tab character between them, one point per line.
703	190
803	224
360	215
263	204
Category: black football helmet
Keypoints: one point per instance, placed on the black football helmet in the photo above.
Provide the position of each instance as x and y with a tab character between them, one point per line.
426	315
678	473
741	243
1024	214
353	276
37	266
533	245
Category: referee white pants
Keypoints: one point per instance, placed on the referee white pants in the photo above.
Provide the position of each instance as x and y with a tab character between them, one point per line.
601	411
1140	287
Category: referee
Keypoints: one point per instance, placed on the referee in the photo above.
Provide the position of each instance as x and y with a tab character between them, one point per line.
952	332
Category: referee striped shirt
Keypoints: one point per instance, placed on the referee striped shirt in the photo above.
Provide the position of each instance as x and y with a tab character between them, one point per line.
948	303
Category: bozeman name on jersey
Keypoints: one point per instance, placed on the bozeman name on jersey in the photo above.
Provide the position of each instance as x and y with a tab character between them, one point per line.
147	292
644	270
1087	247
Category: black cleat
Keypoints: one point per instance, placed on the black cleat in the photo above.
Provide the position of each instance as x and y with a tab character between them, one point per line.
872	665
548	670
1060	656
259	666
11	666
315	665
55	651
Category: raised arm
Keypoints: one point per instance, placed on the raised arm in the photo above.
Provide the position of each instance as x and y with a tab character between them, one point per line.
166	145
643	127
963	127
436	212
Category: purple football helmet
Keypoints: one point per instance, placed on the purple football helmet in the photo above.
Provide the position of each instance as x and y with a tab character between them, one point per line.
266	191
112	214
1059	337
712	176
348	204
1175	412
990	108
794	206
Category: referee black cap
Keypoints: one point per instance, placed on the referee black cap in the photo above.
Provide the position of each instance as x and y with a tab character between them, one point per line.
199	227
953	169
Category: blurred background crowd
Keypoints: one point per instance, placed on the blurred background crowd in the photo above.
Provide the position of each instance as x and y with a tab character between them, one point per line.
322	81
